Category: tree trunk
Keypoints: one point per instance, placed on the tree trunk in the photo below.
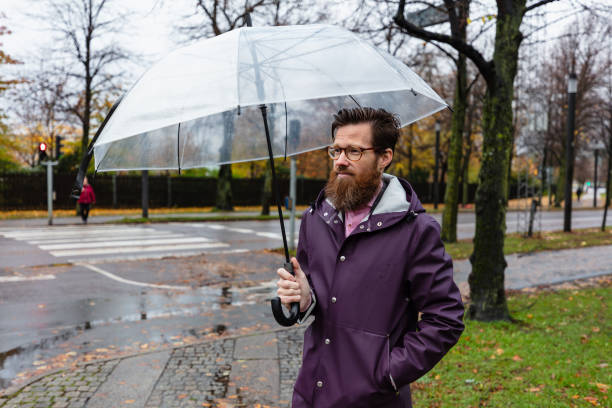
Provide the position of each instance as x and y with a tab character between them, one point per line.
410	143
465	183
466	159
266	196
608	186
487	291
224	200
560	185
451	196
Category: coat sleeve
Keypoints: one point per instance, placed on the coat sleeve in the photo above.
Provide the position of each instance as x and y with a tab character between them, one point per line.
435	295
302	257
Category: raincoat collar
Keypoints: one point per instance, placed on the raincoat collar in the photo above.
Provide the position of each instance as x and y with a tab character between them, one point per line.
397	201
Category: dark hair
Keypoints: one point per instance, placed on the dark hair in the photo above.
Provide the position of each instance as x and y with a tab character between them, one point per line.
385	125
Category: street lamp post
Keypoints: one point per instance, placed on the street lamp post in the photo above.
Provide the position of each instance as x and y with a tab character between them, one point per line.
572	85
595	181
596	148
437	163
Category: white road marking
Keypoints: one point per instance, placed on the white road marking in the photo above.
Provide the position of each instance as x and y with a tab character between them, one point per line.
140	242
113	243
216	226
241	230
5	279
104	239
64	230
131	282
272	235
156	256
154	248
69	234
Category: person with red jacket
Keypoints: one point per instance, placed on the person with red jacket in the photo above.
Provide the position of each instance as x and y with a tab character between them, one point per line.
86	199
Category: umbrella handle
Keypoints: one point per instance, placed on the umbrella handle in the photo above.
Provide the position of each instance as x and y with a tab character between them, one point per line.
277	307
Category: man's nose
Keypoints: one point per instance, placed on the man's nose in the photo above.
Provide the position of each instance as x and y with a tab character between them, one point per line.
342	160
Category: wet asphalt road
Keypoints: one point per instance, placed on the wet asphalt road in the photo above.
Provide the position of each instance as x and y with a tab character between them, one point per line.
83	312
73	292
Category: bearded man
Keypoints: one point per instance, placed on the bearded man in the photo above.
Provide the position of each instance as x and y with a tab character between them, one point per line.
369	262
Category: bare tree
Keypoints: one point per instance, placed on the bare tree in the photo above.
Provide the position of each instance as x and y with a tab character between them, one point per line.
39	117
545	108
7	145
86	29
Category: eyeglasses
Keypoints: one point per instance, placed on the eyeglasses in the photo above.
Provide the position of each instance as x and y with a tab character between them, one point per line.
353	153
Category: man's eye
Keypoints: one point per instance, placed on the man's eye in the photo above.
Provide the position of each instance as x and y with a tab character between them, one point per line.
354	151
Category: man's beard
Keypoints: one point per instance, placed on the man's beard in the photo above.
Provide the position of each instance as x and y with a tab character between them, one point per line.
352	192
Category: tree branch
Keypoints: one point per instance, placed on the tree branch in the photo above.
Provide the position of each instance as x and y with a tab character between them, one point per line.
486	68
536	5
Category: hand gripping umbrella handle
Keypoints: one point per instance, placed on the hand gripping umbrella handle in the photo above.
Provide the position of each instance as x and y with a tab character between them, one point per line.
277	307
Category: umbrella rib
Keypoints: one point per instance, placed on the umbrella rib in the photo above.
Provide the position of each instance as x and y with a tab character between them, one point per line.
354	100
288	48
238	71
271	60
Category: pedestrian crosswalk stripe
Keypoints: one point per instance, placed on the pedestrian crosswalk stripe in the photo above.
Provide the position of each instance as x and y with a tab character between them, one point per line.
153	248
272	235
103	239
66	234
6	279
140	242
123	242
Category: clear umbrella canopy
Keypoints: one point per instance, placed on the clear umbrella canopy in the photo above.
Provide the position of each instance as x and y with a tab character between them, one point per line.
199	105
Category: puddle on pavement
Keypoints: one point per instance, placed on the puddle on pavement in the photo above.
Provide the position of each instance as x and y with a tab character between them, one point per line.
147	306
16	360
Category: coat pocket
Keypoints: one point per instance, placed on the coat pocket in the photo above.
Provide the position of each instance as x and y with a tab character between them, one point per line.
357	367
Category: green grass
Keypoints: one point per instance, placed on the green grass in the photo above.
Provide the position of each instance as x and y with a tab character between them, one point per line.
515	243
554	240
557	354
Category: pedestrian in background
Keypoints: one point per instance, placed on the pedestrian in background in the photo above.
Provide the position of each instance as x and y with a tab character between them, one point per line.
86	199
369	262
579	192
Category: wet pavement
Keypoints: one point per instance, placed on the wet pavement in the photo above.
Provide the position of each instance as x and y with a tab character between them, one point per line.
204	346
144	305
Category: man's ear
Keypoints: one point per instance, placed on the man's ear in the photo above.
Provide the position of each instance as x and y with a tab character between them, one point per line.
385	158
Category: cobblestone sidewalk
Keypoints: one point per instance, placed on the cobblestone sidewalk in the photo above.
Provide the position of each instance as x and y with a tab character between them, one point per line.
257	370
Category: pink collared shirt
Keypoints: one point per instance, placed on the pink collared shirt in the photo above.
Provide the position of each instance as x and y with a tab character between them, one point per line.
353	218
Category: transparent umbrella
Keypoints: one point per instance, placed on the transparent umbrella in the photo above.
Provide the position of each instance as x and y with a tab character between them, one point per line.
202	105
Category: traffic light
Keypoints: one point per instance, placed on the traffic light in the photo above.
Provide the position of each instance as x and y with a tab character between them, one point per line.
58	146
42	152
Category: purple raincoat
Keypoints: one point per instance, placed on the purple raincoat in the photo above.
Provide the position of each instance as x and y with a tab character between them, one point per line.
366	344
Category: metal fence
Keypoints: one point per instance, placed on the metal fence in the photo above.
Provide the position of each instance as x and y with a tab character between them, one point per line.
28	191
